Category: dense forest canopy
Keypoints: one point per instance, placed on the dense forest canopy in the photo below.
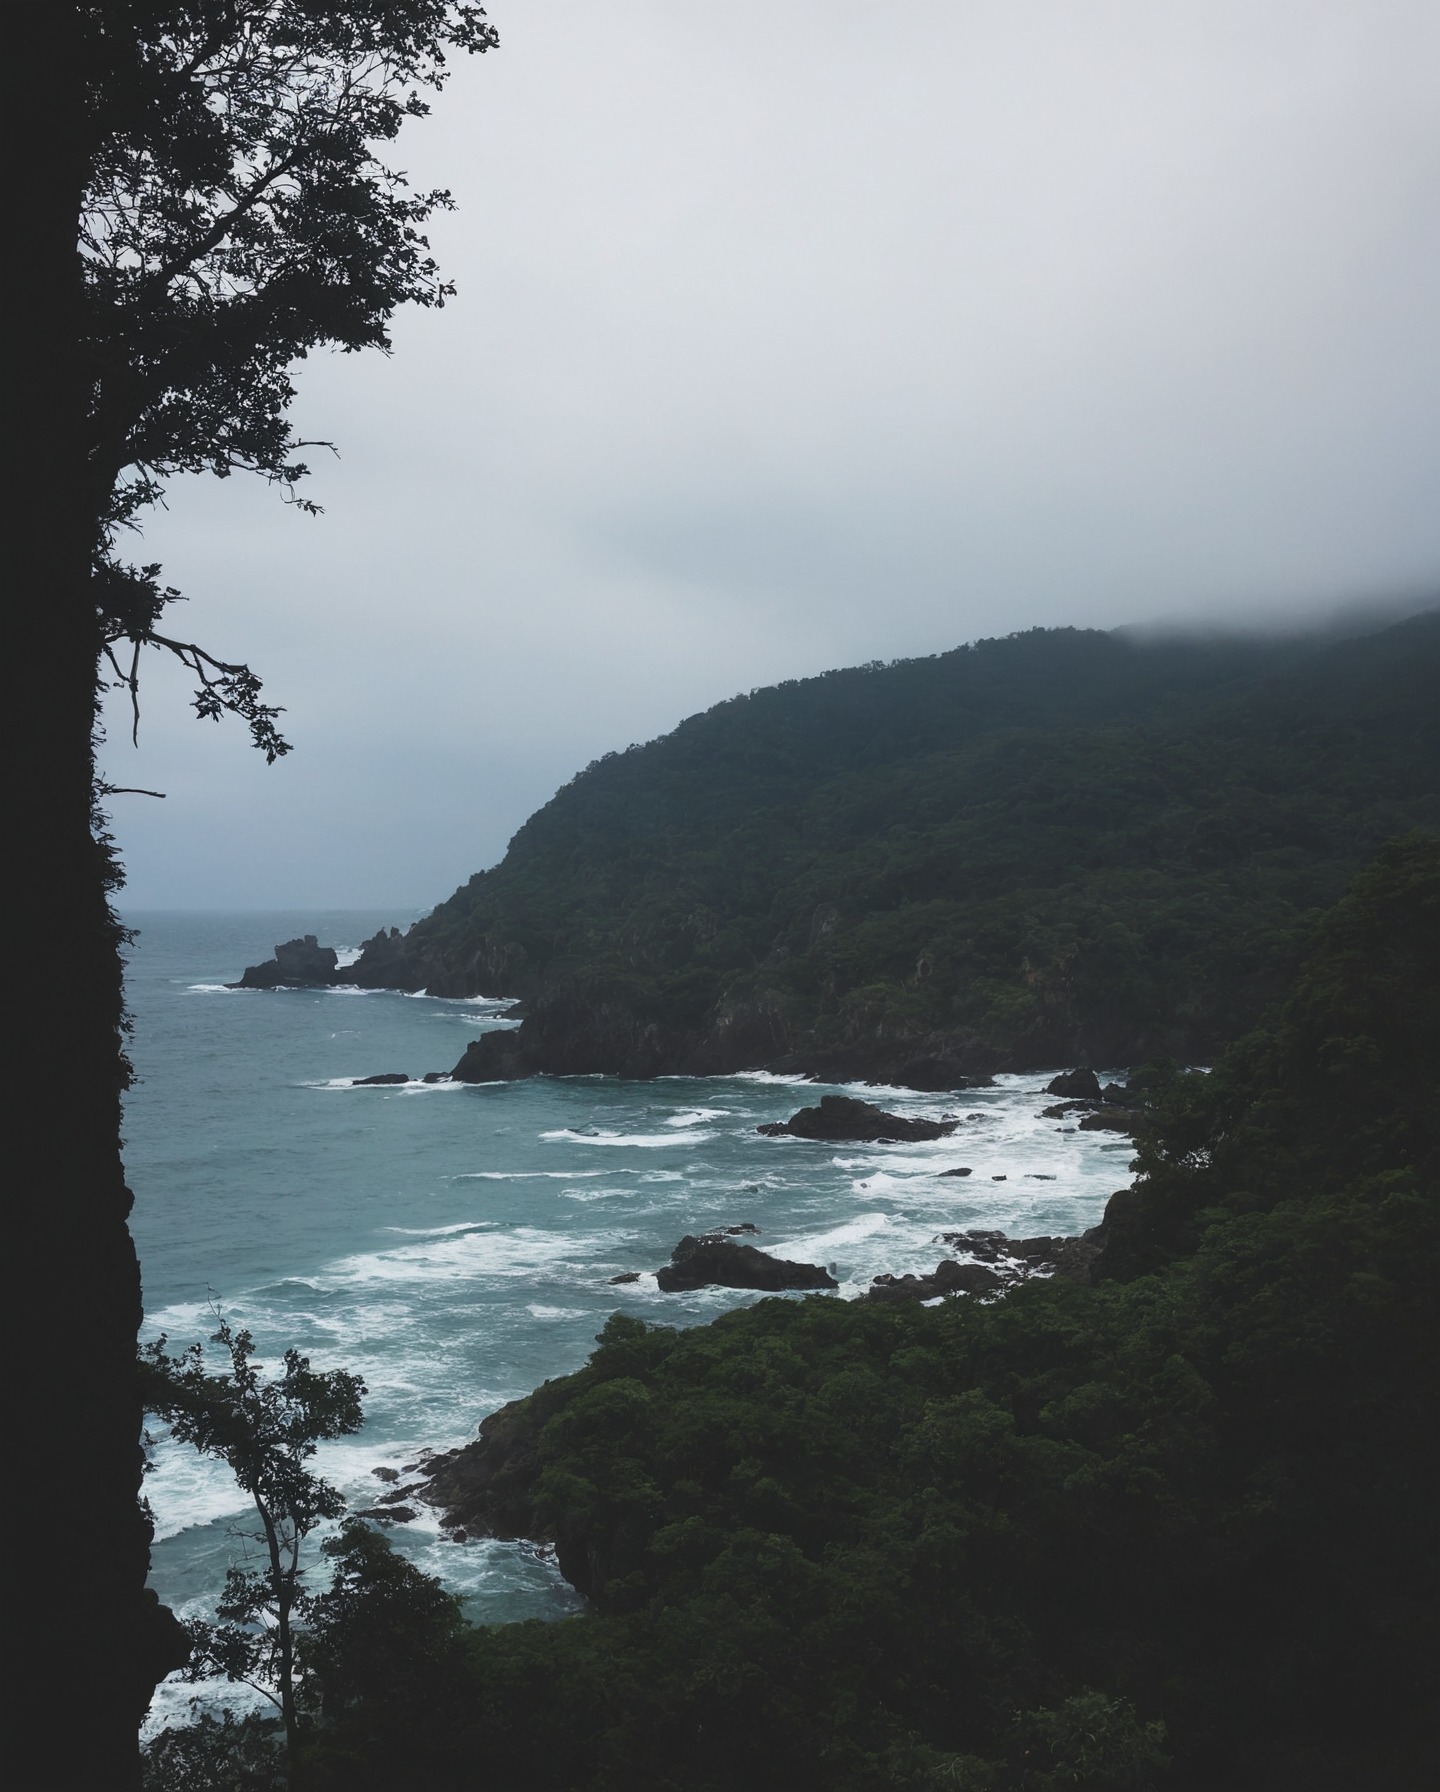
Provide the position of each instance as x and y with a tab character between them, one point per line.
1164	1531
1061	845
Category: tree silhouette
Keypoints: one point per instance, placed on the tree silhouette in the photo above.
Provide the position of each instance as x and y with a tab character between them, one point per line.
266	1432
201	199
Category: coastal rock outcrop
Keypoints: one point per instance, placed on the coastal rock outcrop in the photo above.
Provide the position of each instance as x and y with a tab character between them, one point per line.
297	964
715	1260
949	1277
842	1117
1113	1120
1082	1085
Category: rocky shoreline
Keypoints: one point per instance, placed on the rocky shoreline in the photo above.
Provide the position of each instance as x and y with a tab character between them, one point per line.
580	1028
488	1488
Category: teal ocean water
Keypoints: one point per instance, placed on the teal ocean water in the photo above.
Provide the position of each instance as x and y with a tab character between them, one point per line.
454	1244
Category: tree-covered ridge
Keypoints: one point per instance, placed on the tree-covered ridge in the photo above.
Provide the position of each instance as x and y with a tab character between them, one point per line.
1062	845
1169	1531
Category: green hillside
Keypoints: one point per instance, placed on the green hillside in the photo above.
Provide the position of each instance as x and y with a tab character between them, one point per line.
1063	845
1167	1532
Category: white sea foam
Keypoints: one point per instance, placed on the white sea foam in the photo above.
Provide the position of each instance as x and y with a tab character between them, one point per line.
473	1254
536	1175
698	1116
443	1231
640	1141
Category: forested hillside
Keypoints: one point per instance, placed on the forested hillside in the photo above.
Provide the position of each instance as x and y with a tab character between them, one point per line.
1063	845
1166	1532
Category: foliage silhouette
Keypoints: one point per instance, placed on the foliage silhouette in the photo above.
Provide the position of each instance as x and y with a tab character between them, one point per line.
266	1431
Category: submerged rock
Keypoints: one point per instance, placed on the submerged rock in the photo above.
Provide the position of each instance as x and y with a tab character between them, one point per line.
841	1117
374	1082
714	1260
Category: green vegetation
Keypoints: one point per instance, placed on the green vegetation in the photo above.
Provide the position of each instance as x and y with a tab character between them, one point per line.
1173	1530
266	1432
1064	846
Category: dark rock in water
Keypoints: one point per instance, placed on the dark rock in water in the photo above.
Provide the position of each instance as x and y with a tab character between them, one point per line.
484	1487
1082	1083
389	1514
297	964
999	1178
493	1058
1061	1108
630	1275
1038	1176
374	1082
744	1226
949	1278
963	1170
386	1474
840	1117
1067	1259
436	1076
718	1262
1113	1120
1120	1095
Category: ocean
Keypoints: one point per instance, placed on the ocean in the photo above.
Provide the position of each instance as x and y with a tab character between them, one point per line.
454	1244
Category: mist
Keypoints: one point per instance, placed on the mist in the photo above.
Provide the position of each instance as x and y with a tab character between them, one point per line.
790	337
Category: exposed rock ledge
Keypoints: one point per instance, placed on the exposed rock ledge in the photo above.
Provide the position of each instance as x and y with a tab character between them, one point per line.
716	1261
842	1117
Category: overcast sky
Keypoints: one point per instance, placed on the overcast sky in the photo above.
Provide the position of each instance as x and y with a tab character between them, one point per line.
792	335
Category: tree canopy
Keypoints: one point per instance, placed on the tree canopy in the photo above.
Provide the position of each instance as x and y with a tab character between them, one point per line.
239	213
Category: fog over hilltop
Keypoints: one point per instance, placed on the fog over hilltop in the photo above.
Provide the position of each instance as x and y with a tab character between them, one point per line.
790	337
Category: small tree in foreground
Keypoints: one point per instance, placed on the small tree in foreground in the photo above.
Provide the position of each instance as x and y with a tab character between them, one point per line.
266	1431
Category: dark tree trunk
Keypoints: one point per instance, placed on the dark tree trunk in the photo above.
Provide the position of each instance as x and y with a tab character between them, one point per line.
89	1644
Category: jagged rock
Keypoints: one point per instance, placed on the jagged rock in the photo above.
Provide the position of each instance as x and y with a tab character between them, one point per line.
630	1275
493	1058
1076	1258
436	1076
963	1170
1083	1083
842	1117
372	1082
949	1278
297	964
1113	1120
1061	1108
1121	1095
713	1261
389	1514
386	1474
